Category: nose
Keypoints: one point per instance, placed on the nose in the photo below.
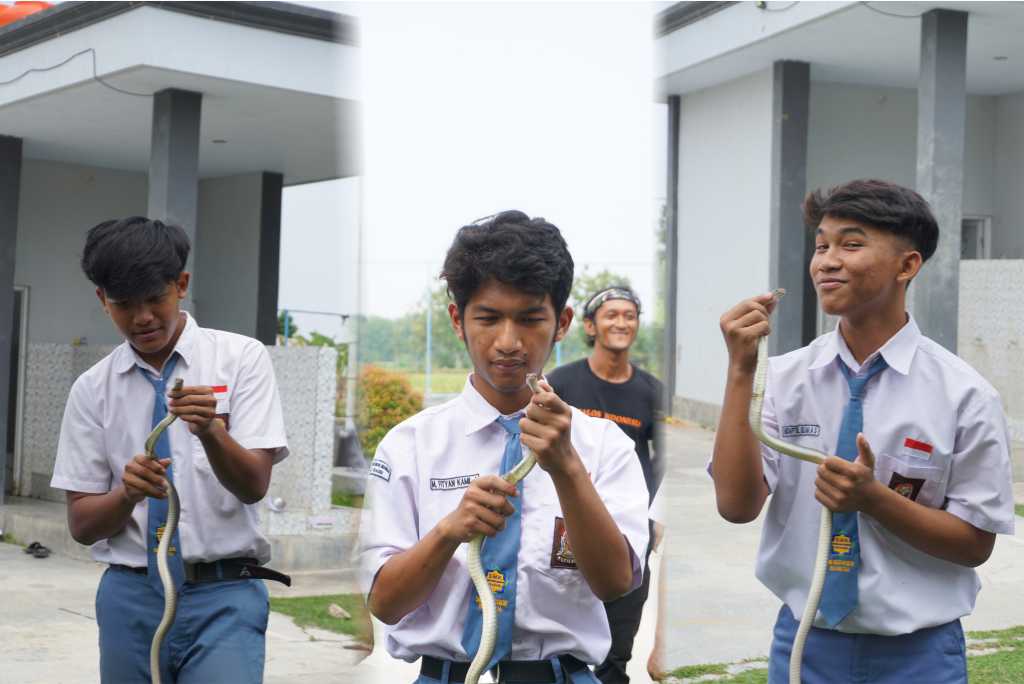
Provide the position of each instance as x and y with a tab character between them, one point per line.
508	340
829	260
142	316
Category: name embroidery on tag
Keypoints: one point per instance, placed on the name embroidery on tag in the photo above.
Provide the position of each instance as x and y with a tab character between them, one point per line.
801	430
457	482
379	468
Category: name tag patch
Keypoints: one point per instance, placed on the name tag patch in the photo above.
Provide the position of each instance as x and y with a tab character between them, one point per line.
801	430
379	468
456	482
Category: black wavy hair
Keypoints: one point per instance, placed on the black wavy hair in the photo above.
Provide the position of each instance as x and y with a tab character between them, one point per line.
526	253
134	257
879	204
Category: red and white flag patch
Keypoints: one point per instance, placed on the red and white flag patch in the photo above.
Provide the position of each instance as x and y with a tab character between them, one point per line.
923	447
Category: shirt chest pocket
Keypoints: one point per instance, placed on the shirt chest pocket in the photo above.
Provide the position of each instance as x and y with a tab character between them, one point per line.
914	478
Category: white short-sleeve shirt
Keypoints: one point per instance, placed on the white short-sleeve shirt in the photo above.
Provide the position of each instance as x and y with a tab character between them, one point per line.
939	436
419	475
109	414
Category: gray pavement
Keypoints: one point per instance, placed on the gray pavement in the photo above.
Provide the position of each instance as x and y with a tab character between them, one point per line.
48	628
717	611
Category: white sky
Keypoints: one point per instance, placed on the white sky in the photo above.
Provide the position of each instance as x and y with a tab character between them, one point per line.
475	108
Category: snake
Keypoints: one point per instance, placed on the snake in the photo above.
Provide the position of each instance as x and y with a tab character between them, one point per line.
825	519
488	610
170	527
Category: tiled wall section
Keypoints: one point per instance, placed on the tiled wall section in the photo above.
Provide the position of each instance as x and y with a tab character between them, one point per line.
991	329
302	482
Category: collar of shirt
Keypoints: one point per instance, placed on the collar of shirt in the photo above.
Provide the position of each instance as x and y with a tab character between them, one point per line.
125	358
477	412
898	351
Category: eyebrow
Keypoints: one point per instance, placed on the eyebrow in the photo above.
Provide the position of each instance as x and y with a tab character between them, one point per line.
483	308
848	230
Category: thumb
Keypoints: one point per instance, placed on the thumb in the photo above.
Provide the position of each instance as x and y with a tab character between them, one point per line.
864	453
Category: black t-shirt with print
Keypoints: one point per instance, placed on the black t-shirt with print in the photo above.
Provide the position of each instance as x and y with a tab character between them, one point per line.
634	405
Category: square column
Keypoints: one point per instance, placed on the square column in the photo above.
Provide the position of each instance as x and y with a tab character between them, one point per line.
10	189
941	131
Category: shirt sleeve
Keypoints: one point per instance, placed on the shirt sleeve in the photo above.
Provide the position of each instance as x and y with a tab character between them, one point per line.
620	483
389	523
980	489
257	421
81	464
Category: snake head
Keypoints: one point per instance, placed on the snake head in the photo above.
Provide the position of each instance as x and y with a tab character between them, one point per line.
533	380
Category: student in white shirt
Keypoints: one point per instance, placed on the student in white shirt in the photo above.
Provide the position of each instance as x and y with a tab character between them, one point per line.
434	482
927	484
229	435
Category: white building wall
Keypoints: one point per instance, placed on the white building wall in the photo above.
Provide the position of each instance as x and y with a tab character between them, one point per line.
724	198
59	203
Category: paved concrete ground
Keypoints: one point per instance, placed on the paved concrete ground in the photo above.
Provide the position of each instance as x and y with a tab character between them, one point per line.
718	611
48	627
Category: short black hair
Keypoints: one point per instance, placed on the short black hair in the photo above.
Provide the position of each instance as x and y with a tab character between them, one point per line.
134	257
526	253
879	204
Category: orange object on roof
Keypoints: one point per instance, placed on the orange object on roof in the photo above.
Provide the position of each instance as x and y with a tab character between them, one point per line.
19	10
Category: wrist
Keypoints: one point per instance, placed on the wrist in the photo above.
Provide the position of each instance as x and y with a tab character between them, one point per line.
211	434
570	469
875	498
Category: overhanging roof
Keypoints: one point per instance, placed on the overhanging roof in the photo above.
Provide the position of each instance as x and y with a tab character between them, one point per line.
846	42
280	84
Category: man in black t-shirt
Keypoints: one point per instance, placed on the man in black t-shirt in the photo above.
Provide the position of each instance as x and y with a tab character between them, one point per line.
607	385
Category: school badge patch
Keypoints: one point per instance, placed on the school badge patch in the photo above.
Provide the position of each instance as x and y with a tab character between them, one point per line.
907	487
496	581
561	550
379	468
842	544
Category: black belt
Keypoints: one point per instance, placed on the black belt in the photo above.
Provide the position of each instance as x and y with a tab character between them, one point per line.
224	569
508	671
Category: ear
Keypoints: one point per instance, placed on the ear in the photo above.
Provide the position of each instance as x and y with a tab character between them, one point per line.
453	314
590	327
564	321
103	299
181	285
910	264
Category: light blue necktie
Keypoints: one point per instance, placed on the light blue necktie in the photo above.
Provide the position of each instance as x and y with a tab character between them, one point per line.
839	596
499	557
158	507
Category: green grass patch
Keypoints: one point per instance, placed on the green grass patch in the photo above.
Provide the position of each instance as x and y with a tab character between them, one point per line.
349	500
442	380
311	611
1002	667
8	538
1019	509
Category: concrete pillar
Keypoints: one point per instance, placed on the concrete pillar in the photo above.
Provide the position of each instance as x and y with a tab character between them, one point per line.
174	163
671	354
941	130
790	242
272	185
10	187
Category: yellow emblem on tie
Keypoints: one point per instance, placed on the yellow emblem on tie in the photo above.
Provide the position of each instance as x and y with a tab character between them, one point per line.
496	581
159	535
841	544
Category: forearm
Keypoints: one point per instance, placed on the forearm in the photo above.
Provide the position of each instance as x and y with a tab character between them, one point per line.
243	472
600	550
930	530
736	467
407	579
93	517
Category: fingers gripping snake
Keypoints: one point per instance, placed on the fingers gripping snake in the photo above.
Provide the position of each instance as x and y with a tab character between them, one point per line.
825	521
488	610
166	579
